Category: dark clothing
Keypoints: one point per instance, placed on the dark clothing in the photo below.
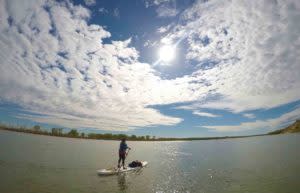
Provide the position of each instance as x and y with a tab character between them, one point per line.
122	153
135	164
122	157
123	147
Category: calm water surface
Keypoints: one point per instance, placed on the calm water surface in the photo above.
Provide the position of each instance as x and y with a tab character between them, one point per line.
33	163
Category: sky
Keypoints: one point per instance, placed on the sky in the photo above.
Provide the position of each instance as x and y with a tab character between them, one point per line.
97	66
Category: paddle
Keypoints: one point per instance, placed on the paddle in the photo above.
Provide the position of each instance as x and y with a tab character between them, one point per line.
127	152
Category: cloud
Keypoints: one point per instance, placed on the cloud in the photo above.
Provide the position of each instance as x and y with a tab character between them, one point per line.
264	125
90	2
249	115
116	13
149	3
149	43
166	11
102	10
54	64
247	54
164	29
164	8
158	2
204	114
57	68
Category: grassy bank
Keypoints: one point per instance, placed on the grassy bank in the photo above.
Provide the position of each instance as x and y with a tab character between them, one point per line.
293	128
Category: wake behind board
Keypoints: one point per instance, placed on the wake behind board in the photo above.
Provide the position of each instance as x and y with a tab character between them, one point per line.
114	171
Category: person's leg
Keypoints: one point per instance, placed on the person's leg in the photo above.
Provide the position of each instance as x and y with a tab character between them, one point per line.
123	161
120	157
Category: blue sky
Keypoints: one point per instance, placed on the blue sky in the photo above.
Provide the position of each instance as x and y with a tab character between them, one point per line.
96	66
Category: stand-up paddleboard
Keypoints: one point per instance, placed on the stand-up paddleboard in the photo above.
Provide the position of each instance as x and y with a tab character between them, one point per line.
113	171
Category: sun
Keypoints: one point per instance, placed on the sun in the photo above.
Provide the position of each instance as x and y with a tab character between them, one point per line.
167	53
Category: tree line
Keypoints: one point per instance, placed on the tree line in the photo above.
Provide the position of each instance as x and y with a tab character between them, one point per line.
73	133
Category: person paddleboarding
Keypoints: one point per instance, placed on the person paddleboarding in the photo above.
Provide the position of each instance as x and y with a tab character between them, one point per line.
132	166
123	153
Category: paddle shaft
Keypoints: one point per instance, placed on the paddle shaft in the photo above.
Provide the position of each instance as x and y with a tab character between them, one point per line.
127	152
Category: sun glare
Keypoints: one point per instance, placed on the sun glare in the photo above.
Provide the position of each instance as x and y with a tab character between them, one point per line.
167	53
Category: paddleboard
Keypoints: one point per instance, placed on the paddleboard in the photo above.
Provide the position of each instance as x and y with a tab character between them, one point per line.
113	171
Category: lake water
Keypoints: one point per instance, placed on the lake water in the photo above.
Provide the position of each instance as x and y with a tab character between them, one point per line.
33	163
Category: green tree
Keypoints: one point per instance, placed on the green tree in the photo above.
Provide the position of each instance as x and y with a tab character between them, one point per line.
60	131
92	135
107	136
73	133
121	136
82	135
147	137
54	131
37	128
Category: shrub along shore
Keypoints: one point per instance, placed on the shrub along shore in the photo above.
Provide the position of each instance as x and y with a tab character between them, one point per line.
73	133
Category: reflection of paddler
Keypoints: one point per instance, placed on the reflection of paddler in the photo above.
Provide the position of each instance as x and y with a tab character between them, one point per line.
122	182
123	153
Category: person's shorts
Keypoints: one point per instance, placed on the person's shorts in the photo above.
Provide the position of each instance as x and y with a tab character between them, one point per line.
122	155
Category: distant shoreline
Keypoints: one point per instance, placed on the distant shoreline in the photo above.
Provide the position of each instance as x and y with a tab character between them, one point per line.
116	137
73	133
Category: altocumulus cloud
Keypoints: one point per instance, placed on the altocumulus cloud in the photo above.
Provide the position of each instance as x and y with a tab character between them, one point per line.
253	48
248	51
57	67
